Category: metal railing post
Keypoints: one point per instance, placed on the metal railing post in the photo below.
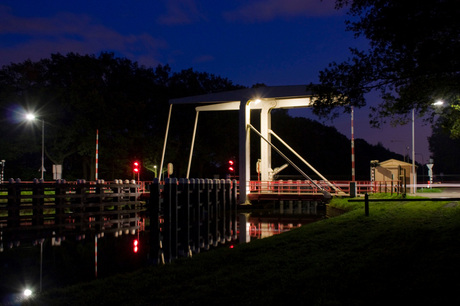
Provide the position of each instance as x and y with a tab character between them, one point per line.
184	217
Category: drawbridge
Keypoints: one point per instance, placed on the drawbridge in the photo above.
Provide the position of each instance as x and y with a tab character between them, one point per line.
264	100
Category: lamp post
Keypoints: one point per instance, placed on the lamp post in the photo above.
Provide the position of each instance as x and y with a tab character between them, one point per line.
414	185
353	170
32	117
414	175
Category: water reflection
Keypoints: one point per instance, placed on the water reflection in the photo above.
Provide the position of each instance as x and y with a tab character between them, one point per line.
55	262
267	219
70	259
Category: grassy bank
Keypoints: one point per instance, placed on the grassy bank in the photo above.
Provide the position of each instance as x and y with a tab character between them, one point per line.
404	252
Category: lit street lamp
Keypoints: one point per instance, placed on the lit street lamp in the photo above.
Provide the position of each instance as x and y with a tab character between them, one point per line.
31	117
414	174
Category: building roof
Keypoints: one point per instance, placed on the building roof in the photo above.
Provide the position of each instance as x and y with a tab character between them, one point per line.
394	163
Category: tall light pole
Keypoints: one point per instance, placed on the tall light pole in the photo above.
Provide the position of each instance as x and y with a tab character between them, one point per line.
414	175
353	173
32	117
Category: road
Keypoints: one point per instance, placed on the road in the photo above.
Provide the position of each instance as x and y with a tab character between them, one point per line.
448	191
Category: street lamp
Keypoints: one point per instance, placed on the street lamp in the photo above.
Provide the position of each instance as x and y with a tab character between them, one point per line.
414	186
414	175
31	117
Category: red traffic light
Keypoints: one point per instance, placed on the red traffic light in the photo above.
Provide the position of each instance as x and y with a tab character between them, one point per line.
135	245
136	166
231	164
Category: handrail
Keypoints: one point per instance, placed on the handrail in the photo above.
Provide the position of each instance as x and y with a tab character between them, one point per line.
305	186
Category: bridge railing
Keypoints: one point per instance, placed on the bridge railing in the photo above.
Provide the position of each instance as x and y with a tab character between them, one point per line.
41	210
281	187
395	186
305	186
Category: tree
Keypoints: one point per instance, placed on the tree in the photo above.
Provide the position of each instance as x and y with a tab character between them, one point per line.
413	59
445	149
76	95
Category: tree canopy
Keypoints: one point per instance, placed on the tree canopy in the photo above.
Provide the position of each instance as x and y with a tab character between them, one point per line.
413	59
445	153
77	95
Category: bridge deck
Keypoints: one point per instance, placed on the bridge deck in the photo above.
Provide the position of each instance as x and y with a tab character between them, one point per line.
265	196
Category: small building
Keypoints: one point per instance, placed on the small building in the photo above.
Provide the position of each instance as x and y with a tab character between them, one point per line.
393	170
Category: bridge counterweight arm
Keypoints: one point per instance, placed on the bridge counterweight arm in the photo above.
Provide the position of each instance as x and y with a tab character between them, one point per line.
288	160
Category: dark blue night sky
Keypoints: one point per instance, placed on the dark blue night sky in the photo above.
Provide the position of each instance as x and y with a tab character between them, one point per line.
275	42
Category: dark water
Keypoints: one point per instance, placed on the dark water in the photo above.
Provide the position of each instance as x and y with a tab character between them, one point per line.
73	260
271	218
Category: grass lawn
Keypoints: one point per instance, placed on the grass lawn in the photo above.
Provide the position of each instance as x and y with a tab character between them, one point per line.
403	253
429	190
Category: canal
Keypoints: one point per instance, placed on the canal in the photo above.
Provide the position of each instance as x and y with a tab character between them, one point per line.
270	218
49	263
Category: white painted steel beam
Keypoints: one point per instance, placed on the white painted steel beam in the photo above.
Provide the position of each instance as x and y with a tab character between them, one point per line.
294	103
165	142
192	145
244	150
219	107
265	148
